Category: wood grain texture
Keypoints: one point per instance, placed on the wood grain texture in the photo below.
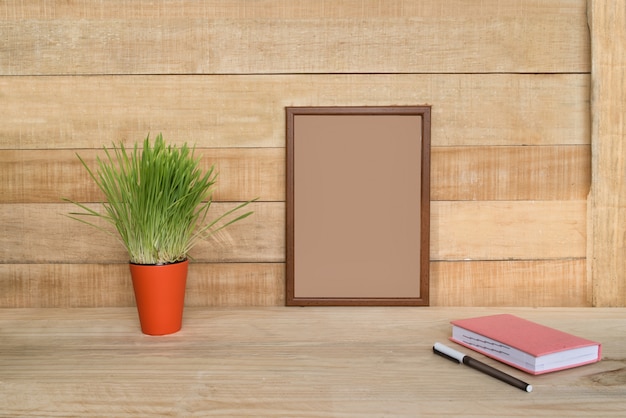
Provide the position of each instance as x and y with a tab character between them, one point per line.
453	283
46	176
277	9
461	230
496	37
290	362
607	212
522	230
560	282
457	173
248	111
41	233
510	173
508	82
106	285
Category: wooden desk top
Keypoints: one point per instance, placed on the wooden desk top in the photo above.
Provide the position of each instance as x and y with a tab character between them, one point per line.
290	362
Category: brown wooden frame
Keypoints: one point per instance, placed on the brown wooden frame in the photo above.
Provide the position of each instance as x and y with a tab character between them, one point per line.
324	129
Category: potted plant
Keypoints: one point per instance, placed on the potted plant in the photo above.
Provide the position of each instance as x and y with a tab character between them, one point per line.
157	200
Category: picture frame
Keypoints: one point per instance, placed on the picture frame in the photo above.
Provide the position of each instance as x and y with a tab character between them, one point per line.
358	206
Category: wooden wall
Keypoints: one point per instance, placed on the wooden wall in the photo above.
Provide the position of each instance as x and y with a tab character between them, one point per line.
606	240
508	81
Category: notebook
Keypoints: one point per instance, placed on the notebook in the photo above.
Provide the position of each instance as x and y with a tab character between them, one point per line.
526	345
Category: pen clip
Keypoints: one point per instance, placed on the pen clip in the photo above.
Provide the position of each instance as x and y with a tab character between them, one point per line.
444	355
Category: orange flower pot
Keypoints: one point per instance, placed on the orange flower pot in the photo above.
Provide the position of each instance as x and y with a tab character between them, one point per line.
160	296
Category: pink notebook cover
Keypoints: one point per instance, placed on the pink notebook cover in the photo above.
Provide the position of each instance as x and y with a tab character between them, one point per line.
530	337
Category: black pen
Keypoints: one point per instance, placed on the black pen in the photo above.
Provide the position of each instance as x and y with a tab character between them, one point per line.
459	357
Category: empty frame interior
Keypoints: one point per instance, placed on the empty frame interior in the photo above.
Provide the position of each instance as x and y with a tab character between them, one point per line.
358	205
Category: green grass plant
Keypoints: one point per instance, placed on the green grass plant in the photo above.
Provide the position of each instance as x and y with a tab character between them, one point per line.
158	199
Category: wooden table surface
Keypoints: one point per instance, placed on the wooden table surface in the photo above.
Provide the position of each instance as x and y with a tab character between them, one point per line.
290	362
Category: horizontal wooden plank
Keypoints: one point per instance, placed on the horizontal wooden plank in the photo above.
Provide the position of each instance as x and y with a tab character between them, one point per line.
522	230
504	36
32	176
510	283
40	233
234	284
463	230
457	173
510	173
249	111
457	283
276	9
104	285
